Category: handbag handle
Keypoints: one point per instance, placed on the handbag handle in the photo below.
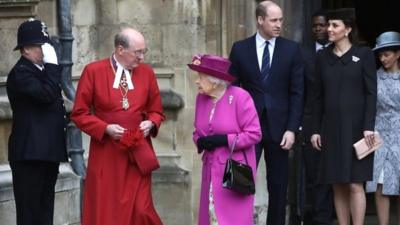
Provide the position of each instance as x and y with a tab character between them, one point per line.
233	147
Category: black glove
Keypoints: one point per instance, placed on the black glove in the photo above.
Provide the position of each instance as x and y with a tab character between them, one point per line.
210	142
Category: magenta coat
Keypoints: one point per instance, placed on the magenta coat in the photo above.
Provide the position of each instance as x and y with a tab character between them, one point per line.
235	114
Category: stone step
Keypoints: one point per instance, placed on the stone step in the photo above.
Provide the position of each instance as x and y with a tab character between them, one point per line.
67	198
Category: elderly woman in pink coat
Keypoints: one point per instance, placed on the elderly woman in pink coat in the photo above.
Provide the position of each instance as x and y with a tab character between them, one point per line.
224	114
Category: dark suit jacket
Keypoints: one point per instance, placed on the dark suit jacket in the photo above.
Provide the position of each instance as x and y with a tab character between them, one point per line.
39	122
282	92
309	57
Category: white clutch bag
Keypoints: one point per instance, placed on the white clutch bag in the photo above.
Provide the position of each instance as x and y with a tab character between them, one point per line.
362	149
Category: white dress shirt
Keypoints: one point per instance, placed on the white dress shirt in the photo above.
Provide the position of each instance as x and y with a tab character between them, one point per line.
318	46
40	67
260	45
118	76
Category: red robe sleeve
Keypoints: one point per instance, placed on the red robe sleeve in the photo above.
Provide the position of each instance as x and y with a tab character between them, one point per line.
81	112
154	111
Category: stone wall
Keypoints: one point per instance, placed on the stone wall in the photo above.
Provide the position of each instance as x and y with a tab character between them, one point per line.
175	30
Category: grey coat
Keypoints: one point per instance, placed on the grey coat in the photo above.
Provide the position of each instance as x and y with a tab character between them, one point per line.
387	158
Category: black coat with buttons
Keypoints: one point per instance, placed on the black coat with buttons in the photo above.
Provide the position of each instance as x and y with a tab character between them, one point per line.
39	124
344	107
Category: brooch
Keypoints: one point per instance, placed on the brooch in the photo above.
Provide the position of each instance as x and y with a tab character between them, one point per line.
196	62
230	99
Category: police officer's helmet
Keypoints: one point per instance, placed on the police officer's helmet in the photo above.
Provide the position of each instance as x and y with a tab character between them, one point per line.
32	31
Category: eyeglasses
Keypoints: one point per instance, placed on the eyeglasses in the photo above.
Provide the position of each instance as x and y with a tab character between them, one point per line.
138	52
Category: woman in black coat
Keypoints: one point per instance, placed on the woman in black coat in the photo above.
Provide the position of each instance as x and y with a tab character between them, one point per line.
343	113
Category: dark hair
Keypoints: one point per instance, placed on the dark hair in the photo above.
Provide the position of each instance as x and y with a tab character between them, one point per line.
353	35
393	49
347	15
320	12
121	39
261	10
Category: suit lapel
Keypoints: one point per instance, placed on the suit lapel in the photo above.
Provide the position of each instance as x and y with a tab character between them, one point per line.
313	52
252	50
275	59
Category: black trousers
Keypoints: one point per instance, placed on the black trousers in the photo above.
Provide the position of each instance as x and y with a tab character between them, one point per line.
319	195
33	183
277	163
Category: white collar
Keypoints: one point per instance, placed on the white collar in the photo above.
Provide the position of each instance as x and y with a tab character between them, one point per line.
260	40
319	46
118	75
40	67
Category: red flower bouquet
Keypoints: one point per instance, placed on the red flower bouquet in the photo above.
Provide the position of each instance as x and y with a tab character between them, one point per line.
131	138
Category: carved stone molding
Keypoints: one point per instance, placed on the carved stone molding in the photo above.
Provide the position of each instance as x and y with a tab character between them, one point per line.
18	8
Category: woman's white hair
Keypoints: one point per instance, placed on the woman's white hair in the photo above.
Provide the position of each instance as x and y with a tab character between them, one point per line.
217	81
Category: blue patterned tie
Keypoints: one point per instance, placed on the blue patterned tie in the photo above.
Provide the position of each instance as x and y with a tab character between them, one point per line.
265	62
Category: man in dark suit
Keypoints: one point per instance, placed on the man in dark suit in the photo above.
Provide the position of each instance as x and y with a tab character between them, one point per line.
272	72
319	196
37	141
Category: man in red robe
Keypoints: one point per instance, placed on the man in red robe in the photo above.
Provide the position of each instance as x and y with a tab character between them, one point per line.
118	104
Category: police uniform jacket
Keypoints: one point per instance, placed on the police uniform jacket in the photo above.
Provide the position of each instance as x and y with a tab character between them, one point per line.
39	124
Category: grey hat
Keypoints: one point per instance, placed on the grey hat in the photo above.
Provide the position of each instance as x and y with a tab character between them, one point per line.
390	39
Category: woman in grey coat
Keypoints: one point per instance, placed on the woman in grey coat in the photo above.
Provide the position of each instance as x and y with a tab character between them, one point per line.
386	175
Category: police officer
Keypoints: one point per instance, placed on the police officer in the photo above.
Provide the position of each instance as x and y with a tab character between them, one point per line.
37	143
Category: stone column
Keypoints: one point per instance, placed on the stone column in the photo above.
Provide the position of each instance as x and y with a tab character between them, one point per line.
237	22
107	24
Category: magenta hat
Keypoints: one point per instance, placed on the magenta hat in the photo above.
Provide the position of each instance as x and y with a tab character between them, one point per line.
212	65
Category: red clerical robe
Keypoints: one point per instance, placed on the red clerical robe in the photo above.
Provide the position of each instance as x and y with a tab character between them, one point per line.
118	182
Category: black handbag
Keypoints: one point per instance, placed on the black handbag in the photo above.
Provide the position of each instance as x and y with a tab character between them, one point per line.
238	176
